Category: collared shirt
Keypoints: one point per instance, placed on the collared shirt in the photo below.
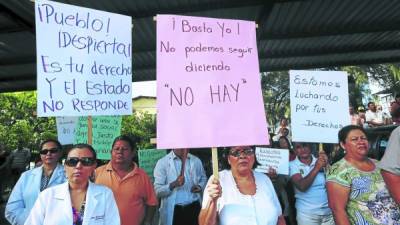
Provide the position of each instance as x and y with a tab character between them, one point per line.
44	182
315	199
184	195
132	193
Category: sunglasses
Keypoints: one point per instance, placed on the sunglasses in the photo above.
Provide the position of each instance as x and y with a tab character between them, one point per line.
45	151
248	151
85	161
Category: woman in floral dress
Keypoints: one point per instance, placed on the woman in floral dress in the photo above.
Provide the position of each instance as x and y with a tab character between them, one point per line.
356	191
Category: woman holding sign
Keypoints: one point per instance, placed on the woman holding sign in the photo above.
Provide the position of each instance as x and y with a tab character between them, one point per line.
77	201
241	196
356	190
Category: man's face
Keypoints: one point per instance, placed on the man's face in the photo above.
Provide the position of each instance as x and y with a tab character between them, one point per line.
122	153
351	110
372	107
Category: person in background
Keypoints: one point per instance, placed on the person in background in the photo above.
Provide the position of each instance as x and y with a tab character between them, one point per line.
130	184
308	178
374	117
241	195
32	182
5	160
395	109
20	158
77	201
283	186
356	190
390	165
354	117
179	180
361	114
283	129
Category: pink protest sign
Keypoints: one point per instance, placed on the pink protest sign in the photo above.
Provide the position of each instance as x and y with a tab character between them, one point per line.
208	83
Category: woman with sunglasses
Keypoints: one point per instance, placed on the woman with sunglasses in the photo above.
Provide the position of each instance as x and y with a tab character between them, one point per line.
32	182
241	196
78	201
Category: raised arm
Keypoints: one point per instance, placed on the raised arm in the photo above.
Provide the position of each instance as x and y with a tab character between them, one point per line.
208	214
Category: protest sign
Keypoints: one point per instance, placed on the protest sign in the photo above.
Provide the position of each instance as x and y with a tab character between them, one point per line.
66	129
148	159
84	62
105	129
208	83
274	158
319	103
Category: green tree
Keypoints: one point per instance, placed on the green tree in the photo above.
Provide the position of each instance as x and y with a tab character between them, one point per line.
142	126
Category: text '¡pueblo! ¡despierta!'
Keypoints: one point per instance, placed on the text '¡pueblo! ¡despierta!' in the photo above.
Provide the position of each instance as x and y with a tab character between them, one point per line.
48	14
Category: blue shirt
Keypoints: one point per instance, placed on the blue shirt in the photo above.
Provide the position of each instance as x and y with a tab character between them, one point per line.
315	199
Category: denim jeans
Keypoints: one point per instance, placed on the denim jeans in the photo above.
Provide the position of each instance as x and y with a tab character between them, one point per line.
310	219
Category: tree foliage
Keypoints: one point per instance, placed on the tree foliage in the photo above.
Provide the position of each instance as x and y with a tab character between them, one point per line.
142	126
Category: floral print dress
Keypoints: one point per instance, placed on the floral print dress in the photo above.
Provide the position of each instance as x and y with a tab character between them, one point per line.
369	200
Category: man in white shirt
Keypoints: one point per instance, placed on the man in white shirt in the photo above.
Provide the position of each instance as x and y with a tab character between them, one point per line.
373	117
179	180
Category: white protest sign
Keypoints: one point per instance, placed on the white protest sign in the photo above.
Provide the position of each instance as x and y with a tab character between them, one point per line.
274	158
319	103
84	61
66	129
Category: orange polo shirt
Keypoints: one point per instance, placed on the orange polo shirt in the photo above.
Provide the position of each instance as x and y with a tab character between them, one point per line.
132	193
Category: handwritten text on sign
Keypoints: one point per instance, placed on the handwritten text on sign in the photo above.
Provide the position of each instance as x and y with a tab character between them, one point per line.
66	129
319	103
83	61
274	158
208	83
148	159
105	129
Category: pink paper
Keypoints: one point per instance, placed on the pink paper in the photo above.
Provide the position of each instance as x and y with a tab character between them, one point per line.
208	83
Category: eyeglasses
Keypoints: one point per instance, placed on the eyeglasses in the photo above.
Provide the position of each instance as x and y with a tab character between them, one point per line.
248	151
85	161
45	151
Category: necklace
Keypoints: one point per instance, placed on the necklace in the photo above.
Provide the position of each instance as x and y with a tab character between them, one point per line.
249	189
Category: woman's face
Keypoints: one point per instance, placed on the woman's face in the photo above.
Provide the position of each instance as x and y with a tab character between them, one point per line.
302	151
79	165
356	144
241	158
50	153
122	153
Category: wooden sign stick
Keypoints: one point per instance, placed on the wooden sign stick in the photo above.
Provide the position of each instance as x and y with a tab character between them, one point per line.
214	155
90	133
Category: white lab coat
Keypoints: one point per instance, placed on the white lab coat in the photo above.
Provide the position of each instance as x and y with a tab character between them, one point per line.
26	191
53	206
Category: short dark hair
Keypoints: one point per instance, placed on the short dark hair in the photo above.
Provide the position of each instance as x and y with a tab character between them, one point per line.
59	146
344	132
369	103
82	146
126	138
225	155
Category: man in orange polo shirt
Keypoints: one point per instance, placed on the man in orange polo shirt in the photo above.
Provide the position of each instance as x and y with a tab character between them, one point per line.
132	188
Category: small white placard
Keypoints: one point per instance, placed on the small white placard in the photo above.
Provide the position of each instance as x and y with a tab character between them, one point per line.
273	157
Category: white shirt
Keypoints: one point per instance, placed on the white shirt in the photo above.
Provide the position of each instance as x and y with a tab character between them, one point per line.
376	117
235	208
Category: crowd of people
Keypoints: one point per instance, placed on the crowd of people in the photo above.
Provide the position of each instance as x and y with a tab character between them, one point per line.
374	116
354	190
